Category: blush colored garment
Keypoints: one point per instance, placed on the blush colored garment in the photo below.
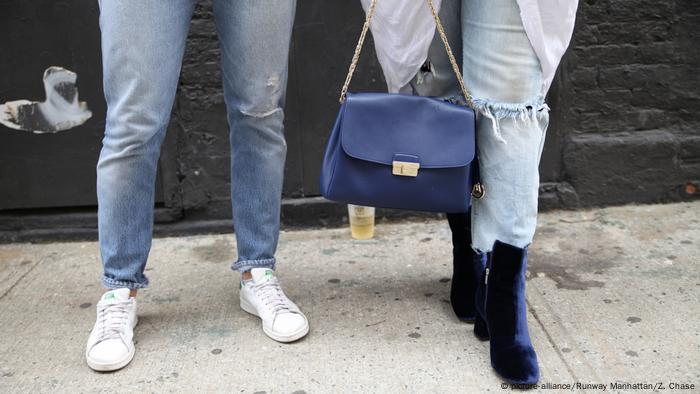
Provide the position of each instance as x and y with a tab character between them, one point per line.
404	29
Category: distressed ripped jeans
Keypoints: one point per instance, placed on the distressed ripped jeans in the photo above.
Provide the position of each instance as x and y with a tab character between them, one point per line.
505	78
143	43
503	74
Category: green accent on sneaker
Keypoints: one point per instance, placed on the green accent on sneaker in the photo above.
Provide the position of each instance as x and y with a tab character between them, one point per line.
269	273
109	296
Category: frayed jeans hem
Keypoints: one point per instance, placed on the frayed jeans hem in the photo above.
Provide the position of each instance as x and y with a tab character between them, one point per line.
529	111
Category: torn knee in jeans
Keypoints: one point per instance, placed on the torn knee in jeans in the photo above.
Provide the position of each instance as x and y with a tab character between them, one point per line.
268	102
525	112
255	113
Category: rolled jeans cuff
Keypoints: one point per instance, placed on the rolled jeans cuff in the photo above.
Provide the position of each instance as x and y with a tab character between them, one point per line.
247	265
120	284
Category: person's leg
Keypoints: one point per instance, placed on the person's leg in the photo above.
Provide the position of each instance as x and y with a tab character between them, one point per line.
504	75
436	78
505	78
467	266
143	43
255	42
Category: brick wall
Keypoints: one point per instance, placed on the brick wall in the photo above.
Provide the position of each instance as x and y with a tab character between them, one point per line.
629	100
199	128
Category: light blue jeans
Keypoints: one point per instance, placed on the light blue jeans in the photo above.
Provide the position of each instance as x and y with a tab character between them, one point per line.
143	43
505	78
503	74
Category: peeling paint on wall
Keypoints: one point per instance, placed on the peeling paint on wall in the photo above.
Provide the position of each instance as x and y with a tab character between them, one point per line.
60	111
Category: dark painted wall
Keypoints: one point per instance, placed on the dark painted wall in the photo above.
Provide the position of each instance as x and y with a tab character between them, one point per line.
53	169
629	102
624	123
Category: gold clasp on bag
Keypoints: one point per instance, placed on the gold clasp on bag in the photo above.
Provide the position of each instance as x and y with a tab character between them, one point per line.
405	168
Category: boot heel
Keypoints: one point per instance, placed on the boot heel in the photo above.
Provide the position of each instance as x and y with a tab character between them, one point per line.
481	331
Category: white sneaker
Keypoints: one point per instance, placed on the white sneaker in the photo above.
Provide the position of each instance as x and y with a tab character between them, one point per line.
111	342
262	296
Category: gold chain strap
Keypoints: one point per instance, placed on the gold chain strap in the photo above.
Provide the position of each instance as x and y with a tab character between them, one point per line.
451	56
443	37
358	49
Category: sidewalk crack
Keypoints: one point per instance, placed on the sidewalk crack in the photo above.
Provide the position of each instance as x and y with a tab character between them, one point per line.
551	340
9	289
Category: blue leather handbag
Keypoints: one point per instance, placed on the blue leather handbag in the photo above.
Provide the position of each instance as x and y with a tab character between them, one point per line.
400	151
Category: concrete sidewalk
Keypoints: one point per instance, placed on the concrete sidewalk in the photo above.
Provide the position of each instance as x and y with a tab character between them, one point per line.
613	297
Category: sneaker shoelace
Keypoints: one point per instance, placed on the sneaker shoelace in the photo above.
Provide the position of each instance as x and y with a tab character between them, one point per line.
112	318
272	296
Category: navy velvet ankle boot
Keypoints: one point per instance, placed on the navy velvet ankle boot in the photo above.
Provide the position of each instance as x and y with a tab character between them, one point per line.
501	315
468	266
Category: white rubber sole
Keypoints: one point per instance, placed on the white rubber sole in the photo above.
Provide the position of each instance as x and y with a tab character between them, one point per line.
246	306
115	365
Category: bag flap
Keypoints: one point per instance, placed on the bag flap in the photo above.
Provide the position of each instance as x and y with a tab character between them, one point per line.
378	127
